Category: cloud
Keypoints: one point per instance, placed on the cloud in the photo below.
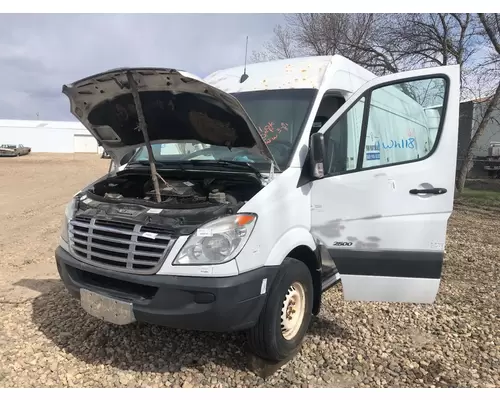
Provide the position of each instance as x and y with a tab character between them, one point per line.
41	52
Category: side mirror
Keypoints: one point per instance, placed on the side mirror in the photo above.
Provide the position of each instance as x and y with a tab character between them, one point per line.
317	154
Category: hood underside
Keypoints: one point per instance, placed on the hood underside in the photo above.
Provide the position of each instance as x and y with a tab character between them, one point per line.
177	106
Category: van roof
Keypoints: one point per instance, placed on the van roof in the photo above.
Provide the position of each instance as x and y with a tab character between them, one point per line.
292	73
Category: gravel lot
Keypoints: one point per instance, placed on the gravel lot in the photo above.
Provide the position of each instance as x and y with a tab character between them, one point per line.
47	340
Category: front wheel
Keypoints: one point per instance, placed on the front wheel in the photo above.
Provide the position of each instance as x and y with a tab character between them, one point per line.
286	316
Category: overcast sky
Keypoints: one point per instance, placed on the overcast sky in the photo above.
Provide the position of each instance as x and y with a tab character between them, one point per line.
40	53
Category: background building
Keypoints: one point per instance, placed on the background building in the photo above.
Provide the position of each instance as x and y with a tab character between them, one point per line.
470	115
48	136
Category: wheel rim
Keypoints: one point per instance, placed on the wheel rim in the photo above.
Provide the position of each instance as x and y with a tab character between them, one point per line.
293	310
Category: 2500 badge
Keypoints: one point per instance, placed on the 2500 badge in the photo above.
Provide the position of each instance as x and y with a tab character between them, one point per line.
345	244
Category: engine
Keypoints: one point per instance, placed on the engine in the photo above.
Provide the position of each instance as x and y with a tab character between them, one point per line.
176	193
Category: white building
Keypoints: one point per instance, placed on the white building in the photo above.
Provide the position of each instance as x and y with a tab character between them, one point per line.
48	136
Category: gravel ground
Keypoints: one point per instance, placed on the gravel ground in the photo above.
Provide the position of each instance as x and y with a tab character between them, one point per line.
46	340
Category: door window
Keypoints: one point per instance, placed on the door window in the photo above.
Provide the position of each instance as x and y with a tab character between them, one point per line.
403	121
392	124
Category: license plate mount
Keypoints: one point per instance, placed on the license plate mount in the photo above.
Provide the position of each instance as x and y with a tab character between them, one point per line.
105	308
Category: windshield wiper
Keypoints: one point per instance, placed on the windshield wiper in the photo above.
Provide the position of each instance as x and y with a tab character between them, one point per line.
229	163
182	163
159	163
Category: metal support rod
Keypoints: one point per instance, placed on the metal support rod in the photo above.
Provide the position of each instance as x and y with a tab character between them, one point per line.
143	127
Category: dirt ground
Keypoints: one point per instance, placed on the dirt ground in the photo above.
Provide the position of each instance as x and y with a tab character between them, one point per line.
34	190
47	340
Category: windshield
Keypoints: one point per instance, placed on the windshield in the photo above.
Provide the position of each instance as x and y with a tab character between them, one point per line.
279	116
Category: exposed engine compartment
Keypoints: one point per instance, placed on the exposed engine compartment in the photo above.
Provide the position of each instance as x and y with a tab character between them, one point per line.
176	192
187	200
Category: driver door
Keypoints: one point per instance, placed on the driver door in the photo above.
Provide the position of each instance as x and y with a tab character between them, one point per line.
382	207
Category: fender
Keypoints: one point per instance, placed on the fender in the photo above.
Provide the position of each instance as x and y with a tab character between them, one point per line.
291	239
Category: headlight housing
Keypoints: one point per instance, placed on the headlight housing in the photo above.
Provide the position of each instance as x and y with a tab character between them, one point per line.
218	241
68	214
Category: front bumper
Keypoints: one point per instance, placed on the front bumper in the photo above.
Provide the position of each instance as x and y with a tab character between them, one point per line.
198	303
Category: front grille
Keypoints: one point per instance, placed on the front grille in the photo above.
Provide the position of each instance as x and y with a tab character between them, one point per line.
119	246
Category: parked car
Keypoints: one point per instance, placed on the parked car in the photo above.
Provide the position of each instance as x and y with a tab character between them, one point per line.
12	150
492	162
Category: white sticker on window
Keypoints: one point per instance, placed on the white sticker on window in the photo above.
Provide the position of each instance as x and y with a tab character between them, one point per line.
87	201
154	211
150	235
204	232
188	184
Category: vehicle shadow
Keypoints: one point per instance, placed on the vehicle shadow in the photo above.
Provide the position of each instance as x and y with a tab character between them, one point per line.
135	347
139	347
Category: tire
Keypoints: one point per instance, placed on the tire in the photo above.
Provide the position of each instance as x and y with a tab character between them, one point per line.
279	331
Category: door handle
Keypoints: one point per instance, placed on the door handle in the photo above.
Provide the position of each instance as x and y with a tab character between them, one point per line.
428	191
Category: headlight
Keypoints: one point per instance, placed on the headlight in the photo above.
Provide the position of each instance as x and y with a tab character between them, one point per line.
68	214
218	241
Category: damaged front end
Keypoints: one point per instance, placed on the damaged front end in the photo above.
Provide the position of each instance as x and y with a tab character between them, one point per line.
116	224
130	219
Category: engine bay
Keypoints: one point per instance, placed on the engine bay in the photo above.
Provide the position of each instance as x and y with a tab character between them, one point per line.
187	200
176	192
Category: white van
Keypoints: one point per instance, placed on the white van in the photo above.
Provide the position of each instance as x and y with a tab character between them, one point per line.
276	185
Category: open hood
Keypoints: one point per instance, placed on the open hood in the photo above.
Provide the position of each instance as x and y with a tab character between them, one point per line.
176	105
